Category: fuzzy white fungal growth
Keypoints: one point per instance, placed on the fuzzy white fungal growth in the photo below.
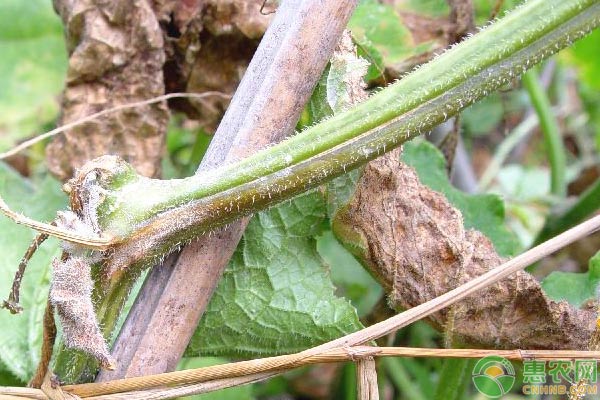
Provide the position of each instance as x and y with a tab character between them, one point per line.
71	294
70	221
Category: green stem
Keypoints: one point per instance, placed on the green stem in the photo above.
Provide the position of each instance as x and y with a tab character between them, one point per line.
585	206
526	36
554	144
209	208
505	148
401	379
455	375
348	387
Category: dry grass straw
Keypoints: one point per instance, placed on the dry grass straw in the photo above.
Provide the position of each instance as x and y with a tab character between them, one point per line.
28	143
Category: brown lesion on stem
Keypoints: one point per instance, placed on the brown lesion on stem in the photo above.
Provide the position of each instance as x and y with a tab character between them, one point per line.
77	227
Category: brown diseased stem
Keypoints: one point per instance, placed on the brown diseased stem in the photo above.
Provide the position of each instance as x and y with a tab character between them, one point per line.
265	108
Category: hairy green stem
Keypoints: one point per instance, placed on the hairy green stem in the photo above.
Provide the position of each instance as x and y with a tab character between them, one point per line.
586	205
554	145
518	33
154	237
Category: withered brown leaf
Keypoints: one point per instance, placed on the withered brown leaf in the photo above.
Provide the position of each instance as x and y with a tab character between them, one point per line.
413	240
116	57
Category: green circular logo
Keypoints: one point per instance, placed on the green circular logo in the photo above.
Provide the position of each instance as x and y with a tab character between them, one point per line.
493	376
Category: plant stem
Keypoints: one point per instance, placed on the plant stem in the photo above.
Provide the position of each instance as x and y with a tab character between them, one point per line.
585	206
470	71
453	378
502	152
549	126
401	379
208	207
177	293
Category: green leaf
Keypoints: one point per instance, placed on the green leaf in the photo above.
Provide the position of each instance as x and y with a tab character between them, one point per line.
382	37
590	98
32	67
185	149
484	116
275	296
341	79
524	184
20	344
351	279
243	392
583	55
340	191
7	378
576	288
526	190
484	212
318	107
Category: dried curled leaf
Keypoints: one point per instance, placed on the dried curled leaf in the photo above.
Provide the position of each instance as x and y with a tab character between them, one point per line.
71	294
208	46
116	57
415	243
345	78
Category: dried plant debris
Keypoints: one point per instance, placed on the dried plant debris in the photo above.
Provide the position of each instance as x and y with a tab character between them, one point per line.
462	18
345	78
130	51
414	242
396	37
116	57
218	17
208	45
